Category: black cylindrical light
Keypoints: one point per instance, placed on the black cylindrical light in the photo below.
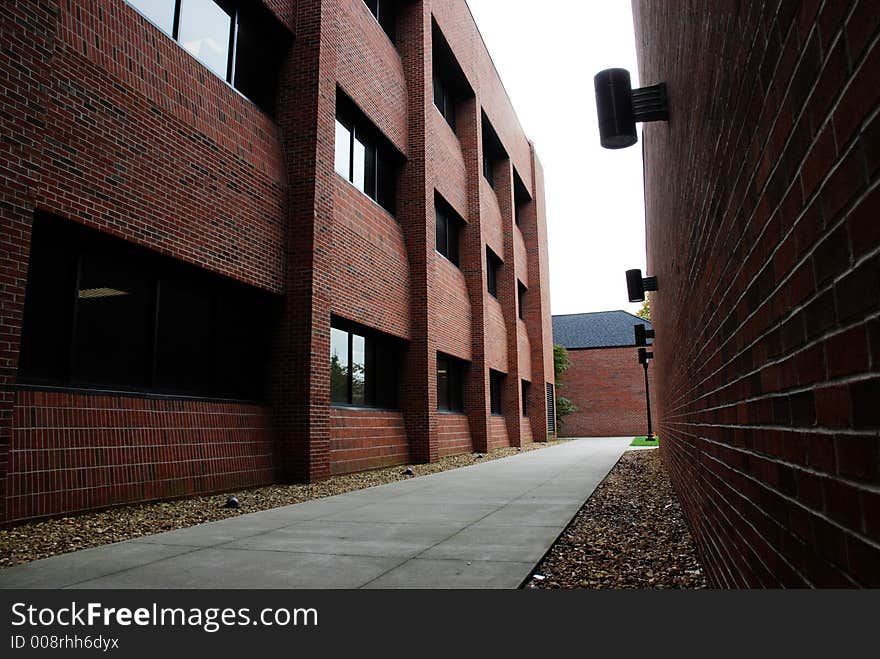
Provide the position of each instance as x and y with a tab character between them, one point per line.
634	285
617	124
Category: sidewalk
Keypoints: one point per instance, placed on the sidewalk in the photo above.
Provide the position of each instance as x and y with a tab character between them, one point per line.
484	526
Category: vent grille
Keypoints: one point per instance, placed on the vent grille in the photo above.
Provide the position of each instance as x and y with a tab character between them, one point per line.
551	409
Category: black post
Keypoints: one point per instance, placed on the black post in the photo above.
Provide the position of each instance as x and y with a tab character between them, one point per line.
648	402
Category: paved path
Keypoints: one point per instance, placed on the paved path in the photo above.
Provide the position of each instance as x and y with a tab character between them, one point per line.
484	526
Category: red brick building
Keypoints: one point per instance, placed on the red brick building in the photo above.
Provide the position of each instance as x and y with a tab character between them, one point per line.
249	242
605	380
762	205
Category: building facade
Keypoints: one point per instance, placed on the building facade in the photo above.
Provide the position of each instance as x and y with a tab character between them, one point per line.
605	381
762	202
252	242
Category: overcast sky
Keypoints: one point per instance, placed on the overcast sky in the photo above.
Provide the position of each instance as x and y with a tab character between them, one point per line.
547	53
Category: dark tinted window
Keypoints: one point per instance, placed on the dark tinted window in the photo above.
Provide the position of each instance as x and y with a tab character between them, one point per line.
521	293
363	157
495	380
103	313
447	230
450	383
493	265
385	12
526	387
364	367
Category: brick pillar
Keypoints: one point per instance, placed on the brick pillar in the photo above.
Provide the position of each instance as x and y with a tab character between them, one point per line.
473	266
533	225
307	111
508	297
415	213
29	37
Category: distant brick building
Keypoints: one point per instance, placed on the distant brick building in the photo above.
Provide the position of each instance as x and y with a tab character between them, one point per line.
245	242
762	203
605	380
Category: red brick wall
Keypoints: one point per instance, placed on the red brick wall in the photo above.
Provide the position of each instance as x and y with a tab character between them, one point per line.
75	452
608	387
114	125
455	434
762	205
498	435
366	439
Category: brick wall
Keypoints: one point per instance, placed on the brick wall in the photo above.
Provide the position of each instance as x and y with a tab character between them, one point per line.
366	439
108	122
75	452
762	204
455	434
608	387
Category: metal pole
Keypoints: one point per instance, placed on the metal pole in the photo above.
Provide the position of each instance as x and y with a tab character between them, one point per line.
648	402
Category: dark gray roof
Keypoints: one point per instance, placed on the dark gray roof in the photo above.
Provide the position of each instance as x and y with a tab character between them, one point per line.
600	329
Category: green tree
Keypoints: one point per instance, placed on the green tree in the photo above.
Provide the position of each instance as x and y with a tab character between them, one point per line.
645	312
564	406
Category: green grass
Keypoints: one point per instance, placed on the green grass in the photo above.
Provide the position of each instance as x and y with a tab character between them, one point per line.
644	441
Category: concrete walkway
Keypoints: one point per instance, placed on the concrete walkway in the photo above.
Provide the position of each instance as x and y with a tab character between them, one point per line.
484	526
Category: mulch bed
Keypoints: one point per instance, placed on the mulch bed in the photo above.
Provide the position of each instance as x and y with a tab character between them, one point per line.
34	540
630	533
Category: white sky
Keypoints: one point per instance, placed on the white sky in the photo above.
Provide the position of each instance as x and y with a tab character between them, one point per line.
547	53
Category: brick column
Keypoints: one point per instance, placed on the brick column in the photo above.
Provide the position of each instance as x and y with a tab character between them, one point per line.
508	297
307	111
533	225
415	207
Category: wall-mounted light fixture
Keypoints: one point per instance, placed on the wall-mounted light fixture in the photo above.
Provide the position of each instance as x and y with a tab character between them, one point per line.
620	106
636	285
642	334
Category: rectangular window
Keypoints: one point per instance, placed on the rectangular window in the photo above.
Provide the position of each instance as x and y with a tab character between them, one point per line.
364	367
241	42
385	12
493	265
495	381
443	99
521	294
103	313
526	387
521	198
494	154
362	157
447	230
450	383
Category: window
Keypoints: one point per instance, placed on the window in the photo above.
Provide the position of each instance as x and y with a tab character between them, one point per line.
521	198
521	293
493	151
363	158
102	313
493	265
526	387
447	230
495	380
240	42
443	99
385	12
364	367
450	383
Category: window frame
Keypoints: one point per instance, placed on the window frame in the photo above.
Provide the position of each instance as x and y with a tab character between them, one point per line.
493	268
452	226
455	375
525	388
377	347
79	373
496	383
234	9
521	291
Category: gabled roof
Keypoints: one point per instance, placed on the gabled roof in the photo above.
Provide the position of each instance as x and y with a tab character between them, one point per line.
599	329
